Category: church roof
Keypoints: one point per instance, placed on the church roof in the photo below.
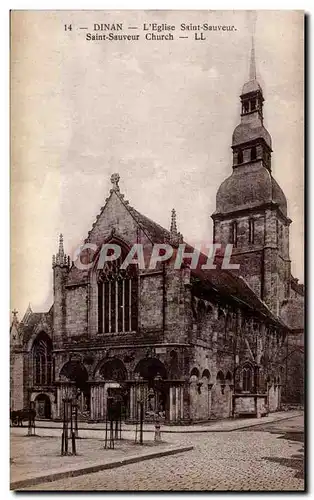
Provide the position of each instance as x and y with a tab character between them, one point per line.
247	132
234	287
26	327
251	86
249	186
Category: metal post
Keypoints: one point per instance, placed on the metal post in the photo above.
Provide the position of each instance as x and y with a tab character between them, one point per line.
141	421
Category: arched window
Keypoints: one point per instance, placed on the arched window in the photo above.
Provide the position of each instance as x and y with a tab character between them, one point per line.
247	378
117	297
42	360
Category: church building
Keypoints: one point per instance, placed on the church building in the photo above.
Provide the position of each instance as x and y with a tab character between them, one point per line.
192	344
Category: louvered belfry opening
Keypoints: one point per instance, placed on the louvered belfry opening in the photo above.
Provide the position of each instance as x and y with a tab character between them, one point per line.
117	296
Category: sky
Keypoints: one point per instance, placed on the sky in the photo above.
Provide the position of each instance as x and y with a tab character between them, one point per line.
161	113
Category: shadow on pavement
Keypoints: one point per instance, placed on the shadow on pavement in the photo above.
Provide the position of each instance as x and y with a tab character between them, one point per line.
295	461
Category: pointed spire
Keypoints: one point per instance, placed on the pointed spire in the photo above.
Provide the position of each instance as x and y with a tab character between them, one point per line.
252	84
60	259
252	75
27	314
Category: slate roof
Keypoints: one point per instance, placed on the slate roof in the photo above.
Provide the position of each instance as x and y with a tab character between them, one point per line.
27	328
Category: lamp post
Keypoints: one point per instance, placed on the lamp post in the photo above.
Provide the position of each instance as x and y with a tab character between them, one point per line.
139	408
67	418
157	381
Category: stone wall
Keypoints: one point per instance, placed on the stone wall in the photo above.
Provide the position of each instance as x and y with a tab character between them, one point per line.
17	376
76	311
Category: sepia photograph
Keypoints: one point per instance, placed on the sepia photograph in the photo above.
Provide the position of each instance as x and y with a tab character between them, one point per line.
157	250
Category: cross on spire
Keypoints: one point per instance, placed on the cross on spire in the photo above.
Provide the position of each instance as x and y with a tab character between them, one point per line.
115	181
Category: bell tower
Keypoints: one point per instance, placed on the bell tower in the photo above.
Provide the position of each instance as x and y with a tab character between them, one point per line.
251	208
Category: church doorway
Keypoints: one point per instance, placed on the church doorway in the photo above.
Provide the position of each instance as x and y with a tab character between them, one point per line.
75	385
150	387
43	406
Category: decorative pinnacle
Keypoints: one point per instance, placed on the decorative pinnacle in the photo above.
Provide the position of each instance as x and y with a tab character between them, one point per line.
60	259
14	319
175	236
252	75
61	249
115	182
173	226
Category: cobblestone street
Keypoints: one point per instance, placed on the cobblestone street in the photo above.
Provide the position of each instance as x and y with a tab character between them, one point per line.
267	457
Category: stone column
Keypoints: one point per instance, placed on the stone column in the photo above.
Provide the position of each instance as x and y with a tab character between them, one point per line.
177	403
93	403
181	403
131	402
59	402
103	401
170	405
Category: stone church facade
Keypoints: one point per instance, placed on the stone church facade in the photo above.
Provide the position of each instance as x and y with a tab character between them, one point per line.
191	344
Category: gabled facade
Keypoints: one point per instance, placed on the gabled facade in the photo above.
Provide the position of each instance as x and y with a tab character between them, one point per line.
195	344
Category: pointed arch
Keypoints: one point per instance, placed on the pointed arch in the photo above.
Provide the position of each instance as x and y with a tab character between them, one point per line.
75	371
113	369
220	377
247	377
206	374
195	372
117	291
149	368
41	355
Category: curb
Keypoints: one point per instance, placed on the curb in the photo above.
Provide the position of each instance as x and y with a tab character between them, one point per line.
24	483
190	431
266	423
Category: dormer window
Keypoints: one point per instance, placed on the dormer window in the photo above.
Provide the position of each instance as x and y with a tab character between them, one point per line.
253	104
251	230
245	108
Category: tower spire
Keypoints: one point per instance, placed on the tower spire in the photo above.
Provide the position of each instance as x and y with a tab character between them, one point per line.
252	73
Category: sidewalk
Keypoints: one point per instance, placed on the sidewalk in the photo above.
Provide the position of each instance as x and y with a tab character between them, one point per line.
87	430
37	459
